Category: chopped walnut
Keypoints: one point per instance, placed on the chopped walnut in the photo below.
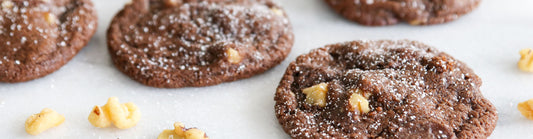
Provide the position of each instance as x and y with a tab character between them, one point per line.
526	108
121	115
233	56
42	121
359	103
316	95
277	11
359	91
526	60
50	18
180	132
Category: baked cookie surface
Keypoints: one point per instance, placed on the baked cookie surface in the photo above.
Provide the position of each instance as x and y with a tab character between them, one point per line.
414	12
382	89
172	44
37	37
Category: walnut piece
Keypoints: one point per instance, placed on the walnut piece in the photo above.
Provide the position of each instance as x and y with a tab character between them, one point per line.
42	121
316	95
180	132
359	103
277	11
233	56
526	60
50	18
121	115
526	109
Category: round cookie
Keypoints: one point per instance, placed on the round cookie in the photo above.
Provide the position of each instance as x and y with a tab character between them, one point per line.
37	37
169	44
414	12
382	89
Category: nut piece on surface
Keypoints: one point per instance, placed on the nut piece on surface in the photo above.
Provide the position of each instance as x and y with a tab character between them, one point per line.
233	56
277	11
7	4
50	18
180	132
526	109
316	95
526	60
359	103
121	115
99	117
40	122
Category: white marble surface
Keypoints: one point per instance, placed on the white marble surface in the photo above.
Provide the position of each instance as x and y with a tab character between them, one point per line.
488	40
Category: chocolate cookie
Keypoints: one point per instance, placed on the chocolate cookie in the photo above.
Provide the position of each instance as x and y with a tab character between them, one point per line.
37	37
415	12
382	89
171	44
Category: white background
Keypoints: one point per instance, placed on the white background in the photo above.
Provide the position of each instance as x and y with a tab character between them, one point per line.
488	40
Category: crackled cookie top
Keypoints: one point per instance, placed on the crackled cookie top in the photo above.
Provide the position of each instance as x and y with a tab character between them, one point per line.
382	89
415	12
40	36
165	43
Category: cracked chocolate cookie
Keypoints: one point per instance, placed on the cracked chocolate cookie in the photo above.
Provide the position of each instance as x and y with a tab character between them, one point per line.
172	44
414	12
382	89
37	37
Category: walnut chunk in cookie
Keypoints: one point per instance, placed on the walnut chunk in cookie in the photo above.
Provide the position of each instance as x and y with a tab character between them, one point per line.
316	95
359	103
233	56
